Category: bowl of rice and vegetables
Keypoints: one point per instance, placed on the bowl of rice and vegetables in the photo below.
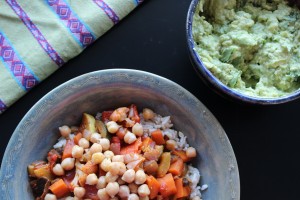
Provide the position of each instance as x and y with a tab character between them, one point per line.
119	134
247	50
120	154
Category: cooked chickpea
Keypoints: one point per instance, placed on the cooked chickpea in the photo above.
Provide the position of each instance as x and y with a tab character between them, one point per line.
133	197
144	198
171	144
105	164
91	179
191	152
101	183
95	138
105	144
87	134
133	187
69	198
112	189
50	197
95	148
109	154
110	177
114	168
58	170
143	190
102	194
79	192
148	114
84	143
68	163
77	151
140	177
112	126
122	168
129	176
129	137
137	129
124	191
118	158
97	158
114	198
65	131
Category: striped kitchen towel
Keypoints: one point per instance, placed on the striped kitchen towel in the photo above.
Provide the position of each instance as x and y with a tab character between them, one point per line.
39	36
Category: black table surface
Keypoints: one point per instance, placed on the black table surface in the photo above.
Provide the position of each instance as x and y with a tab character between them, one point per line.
265	139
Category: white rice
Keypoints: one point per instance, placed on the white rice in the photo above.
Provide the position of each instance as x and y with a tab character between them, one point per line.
62	142
165	124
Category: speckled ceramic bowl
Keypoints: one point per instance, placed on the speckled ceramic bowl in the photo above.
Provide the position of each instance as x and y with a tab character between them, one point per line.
214	83
100	90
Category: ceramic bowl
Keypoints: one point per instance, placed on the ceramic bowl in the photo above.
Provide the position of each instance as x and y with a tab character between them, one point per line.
214	83
101	90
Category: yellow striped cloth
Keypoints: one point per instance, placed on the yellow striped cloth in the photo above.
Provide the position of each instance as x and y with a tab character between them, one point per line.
37	37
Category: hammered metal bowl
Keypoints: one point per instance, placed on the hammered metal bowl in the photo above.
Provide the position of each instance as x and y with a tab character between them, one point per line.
105	89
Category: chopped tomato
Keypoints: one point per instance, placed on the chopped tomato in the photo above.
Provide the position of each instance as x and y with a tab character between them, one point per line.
52	157
133	114
90	192
106	115
68	178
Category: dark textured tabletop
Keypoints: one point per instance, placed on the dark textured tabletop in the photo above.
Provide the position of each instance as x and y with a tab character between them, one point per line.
266	140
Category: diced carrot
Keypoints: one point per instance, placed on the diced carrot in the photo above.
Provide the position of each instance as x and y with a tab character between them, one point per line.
167	185
182	191
77	137
181	154
59	188
176	167
157	137
132	148
147	144
89	168
153	185
68	149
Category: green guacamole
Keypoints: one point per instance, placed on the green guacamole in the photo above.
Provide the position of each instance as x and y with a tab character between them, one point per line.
254	49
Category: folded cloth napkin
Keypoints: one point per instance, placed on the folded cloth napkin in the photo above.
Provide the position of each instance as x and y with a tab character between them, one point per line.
37	37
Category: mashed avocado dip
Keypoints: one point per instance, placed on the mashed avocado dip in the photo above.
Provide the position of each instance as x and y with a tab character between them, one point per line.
254	49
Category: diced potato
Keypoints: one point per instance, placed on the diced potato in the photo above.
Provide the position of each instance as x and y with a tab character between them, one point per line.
30	169
164	164
101	128
88	123
43	171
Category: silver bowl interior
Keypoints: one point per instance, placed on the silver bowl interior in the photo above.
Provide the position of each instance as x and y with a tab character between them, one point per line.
101	90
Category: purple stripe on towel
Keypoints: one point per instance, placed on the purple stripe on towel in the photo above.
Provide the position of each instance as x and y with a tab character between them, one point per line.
2	106
78	29
16	66
36	32
109	12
